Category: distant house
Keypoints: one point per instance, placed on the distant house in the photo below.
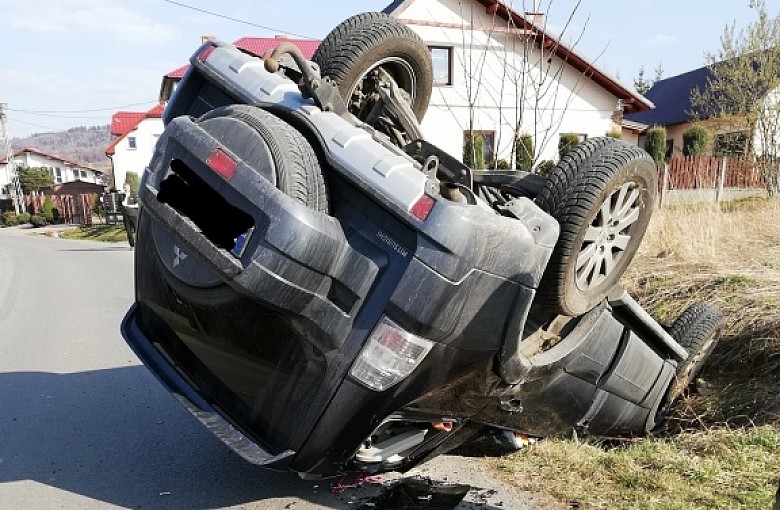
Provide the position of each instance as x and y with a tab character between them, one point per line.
136	135
674	111
62	170
499	73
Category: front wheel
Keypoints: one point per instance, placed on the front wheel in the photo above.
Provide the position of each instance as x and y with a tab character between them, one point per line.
698	330
602	193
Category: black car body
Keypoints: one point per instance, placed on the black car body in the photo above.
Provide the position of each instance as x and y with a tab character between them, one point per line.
390	329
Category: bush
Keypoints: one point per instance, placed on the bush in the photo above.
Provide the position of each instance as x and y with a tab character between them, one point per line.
615	133
55	213
473	151
696	140
133	180
655	144
24	217
567	142
544	167
502	164
48	209
524	152
10	219
38	221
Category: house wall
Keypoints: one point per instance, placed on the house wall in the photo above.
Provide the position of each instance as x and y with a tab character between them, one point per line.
127	159
61	171
500	81
630	136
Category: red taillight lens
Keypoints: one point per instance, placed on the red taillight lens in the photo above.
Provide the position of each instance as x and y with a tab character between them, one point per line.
422	207
221	163
208	50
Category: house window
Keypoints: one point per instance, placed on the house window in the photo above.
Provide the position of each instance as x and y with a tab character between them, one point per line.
58	175
131	143
488	141
441	57
669	149
83	174
731	144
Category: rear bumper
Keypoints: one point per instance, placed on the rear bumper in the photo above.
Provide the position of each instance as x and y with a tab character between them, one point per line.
164	368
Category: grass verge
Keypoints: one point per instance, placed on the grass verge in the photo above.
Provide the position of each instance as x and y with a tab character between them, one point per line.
721	447
106	233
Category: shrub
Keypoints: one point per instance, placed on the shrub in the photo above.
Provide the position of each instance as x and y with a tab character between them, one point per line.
567	142
696	140
473	151
544	167
502	164
48	209
55	213
24	217
524	152
133	180
10	219
655	144
38	221
615	133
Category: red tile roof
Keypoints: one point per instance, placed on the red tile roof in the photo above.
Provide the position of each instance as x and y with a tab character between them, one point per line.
130	122
259	46
178	72
33	150
122	122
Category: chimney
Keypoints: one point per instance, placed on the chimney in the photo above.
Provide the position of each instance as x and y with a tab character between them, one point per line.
537	18
207	37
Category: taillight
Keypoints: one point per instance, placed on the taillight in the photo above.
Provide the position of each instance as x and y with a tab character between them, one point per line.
422	207
208	50
221	163
389	356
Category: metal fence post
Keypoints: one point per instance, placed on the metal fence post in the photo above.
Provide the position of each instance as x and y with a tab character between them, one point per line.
721	181
664	184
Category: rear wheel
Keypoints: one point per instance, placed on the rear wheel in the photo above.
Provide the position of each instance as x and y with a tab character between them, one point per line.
698	330
280	154
602	193
352	53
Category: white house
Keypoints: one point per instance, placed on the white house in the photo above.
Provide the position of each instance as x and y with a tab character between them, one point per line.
62	170
136	135
499	73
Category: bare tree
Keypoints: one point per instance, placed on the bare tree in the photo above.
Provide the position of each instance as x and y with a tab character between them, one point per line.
513	76
742	97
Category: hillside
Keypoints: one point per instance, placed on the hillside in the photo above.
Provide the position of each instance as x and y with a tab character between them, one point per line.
81	144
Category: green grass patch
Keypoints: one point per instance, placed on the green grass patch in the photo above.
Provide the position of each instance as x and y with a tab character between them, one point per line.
105	233
734	469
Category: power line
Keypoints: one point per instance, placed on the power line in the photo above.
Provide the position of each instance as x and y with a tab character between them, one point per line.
230	18
17	110
17	121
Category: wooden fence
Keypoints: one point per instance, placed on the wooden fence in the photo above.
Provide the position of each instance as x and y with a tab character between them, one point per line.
709	173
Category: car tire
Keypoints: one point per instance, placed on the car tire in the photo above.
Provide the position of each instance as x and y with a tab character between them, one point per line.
370	40
297	169
602	193
698	330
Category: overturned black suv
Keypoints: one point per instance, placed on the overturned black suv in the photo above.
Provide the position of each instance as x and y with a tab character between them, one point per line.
327	292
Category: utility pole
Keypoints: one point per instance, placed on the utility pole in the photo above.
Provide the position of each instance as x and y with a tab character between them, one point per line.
14	188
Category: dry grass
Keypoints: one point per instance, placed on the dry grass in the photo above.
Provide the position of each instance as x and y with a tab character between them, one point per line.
722	449
729	257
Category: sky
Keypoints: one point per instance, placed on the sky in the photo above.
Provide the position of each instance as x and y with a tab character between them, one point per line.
67	63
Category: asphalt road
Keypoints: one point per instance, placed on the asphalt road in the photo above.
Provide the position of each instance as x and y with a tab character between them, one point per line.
84	425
